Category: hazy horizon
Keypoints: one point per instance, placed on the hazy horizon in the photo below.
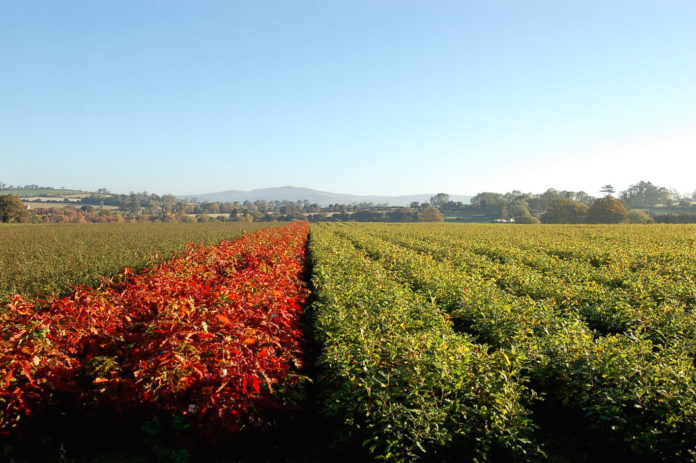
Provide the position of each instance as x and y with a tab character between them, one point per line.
362	98
455	195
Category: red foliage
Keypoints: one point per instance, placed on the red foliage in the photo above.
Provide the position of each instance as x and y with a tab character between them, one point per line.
213	334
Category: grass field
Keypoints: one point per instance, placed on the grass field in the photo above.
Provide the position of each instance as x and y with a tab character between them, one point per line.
33	205
37	260
55	192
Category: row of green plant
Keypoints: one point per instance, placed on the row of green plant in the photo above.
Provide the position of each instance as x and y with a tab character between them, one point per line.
43	260
597	244
601	254
395	373
627	300
640	394
613	256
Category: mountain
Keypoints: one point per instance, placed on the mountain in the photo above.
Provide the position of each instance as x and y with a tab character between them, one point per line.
323	198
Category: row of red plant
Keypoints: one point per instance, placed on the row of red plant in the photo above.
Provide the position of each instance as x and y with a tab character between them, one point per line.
213	334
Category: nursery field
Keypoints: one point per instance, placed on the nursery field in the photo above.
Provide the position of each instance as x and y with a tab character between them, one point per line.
44	259
396	342
202	345
510	342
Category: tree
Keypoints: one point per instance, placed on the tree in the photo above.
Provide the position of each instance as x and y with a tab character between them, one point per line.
547	197
440	200
607	189
313	208
367	216
503	211
261	205
636	216
607	210
12	209
211	208
646	194
564	210
431	214
403	214
134	203
519	208
488	199
583	197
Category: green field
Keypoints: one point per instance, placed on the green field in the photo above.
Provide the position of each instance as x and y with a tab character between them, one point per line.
21	192
37	260
497	342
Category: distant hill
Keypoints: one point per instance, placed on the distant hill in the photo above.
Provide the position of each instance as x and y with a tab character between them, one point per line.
323	198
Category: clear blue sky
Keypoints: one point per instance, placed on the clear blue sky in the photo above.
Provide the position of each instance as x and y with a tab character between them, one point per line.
364	97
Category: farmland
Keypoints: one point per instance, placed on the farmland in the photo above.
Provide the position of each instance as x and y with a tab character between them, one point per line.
38	260
211	335
593	324
439	341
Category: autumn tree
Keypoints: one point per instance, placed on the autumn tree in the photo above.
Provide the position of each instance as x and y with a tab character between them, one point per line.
607	210
431	214
12	209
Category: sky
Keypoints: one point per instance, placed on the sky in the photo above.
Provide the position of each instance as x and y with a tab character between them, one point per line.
362	97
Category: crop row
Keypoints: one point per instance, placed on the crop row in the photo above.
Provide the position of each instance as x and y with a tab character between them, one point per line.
40	260
398	376
626	298
212	334
449	342
639	393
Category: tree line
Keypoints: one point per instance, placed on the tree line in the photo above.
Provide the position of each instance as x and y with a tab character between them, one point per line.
642	202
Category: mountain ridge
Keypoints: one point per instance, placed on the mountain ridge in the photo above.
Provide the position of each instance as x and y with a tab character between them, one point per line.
323	198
